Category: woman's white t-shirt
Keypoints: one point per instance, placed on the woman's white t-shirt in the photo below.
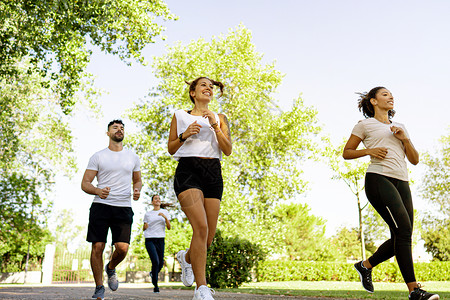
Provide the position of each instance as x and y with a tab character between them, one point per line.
156	224
374	134
202	144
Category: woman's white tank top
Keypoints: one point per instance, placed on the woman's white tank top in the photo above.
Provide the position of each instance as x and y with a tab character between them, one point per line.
202	144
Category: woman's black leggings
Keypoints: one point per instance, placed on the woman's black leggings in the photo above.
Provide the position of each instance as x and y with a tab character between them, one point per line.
391	198
155	249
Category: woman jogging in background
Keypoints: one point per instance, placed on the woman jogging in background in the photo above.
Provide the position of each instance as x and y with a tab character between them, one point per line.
155	223
197	139
386	184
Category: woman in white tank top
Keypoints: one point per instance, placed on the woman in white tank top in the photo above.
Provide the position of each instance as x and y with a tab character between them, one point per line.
197	140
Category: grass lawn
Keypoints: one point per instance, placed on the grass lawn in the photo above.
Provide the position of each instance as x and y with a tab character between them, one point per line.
334	289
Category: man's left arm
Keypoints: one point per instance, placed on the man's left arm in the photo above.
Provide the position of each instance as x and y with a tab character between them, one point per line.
137	185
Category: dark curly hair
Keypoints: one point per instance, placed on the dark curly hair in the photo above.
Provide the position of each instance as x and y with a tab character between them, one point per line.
366	107
193	85
118	121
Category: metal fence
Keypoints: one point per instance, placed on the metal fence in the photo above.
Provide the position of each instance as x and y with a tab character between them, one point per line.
72	267
75	267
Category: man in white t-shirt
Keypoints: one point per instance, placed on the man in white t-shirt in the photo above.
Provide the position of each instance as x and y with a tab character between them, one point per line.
115	168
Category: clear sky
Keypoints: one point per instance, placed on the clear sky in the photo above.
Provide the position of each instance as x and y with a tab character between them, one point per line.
328	50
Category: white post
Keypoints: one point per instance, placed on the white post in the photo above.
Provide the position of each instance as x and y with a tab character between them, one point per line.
47	264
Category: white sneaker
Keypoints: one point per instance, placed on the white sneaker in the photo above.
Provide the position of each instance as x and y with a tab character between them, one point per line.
203	293
187	275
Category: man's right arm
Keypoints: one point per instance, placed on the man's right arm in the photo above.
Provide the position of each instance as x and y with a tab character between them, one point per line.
87	187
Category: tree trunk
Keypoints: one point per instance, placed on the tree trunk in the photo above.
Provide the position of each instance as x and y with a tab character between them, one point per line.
361	231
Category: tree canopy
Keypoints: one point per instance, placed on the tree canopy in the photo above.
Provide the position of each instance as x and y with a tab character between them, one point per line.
268	143
435	188
352	173
44	54
55	34
303	233
35	142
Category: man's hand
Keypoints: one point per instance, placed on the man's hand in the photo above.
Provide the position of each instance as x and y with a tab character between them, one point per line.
136	194
103	193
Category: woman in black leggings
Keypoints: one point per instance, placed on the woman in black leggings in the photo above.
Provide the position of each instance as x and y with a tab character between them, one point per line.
386	184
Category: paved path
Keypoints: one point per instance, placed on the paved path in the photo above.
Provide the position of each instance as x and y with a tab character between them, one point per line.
125	292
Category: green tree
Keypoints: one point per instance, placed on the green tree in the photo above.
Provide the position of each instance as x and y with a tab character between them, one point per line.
435	185
437	240
35	142
66	229
268	143
352	173
55	34
178	237
435	188
44	55
375	228
304	234
348	243
22	225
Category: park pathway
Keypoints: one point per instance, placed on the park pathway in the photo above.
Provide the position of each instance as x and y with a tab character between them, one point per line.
125	292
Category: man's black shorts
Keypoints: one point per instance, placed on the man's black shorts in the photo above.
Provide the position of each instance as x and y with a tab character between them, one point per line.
199	173
103	216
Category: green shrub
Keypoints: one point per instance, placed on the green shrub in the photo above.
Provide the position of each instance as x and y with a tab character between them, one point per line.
283	270
231	260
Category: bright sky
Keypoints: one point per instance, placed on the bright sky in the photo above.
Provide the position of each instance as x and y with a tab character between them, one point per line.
328	50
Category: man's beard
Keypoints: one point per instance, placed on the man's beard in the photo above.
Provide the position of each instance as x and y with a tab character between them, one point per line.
117	139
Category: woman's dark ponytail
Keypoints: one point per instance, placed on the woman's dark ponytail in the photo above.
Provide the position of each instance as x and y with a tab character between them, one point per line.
193	85
366	106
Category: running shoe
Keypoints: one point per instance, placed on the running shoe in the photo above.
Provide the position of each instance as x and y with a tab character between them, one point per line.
113	281
203	293
99	293
365	275
187	275
419	294
156	290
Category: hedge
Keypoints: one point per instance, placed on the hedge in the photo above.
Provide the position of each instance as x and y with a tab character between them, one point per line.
282	270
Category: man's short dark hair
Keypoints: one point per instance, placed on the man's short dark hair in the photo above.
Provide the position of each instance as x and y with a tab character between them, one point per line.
115	122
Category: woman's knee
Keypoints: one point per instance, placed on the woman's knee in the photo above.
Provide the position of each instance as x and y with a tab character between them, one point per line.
201	231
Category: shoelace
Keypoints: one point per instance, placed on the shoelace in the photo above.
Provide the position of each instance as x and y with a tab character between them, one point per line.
368	274
213	292
419	290
189	271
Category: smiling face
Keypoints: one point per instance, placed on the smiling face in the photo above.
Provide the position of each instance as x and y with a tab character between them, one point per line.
383	100
116	132
203	91
156	200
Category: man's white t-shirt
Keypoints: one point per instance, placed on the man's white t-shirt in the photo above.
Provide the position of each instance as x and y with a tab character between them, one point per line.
115	170
156	224
374	134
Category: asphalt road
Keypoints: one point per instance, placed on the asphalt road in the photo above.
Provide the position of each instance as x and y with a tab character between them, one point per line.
125	292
